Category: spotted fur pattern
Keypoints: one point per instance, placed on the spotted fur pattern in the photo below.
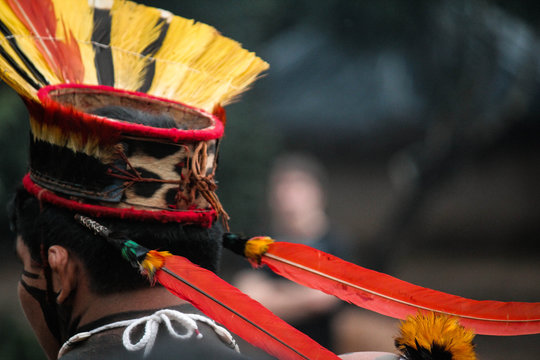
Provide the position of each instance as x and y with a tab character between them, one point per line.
117	182
172	166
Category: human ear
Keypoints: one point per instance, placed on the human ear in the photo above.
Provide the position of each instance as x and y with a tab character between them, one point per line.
64	272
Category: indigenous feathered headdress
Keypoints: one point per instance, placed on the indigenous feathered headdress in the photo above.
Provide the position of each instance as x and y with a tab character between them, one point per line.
86	69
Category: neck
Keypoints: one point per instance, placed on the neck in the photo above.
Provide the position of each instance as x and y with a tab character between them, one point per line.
98	306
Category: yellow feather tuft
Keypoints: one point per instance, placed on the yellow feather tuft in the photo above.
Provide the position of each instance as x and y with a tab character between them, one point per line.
184	42
77	16
71	140
26	43
153	261
257	247
217	71
133	28
207	69
11	77
430	330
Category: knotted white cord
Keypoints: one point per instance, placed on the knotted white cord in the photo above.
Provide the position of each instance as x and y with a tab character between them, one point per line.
151	328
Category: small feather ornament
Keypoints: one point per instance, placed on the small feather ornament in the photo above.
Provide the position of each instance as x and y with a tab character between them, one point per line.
382	293
434	337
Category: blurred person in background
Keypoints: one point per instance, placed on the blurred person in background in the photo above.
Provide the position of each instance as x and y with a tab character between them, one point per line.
297	204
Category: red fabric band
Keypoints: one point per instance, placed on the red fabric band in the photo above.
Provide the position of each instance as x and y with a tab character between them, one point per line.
74	120
204	218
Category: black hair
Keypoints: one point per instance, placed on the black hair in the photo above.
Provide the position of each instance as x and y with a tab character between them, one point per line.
42	225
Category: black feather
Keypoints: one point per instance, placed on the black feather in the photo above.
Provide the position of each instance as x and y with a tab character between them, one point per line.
101	39
33	70
150	50
435	352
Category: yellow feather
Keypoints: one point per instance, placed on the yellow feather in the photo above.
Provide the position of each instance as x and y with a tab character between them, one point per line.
11	77
429	329
11	20
206	69
26	44
153	261
184	42
77	16
257	247
74	141
133	29
223	72
243	80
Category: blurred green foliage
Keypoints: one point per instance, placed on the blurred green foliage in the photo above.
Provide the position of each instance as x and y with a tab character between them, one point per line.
17	342
13	156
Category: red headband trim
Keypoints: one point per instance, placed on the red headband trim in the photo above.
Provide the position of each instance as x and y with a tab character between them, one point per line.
103	128
204	218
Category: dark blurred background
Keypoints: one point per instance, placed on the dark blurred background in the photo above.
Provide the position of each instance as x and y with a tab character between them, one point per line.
425	115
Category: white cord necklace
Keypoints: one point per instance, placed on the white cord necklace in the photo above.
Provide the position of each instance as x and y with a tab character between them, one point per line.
151	327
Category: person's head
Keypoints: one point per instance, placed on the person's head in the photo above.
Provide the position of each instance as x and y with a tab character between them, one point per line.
297	194
50	241
45	234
